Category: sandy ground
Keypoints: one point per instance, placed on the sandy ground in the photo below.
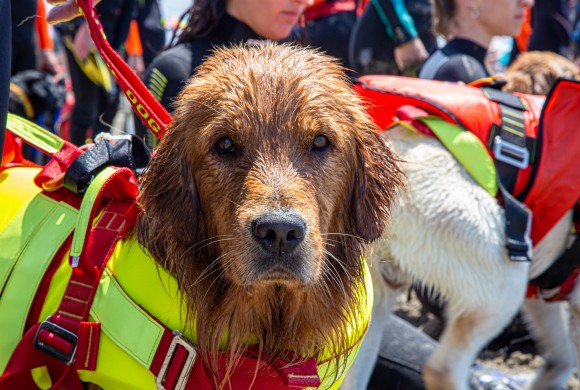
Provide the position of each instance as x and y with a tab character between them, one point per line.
513	352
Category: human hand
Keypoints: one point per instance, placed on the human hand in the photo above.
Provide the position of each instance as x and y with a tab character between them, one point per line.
49	62
409	53
83	44
137	64
63	10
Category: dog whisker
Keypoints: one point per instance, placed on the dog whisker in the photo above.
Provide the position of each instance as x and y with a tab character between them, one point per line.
323	287
328	242
339	262
204	274
195	248
342	234
217	276
333	274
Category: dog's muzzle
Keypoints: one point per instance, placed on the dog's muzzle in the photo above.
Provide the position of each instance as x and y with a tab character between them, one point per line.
280	235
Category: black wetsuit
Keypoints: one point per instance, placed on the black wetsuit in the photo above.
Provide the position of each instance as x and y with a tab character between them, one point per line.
551	26
169	72
151	30
5	43
95	108
23	36
331	33
459	60
384	25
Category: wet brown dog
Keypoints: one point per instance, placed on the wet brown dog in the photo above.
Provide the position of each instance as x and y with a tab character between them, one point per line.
535	72
262	197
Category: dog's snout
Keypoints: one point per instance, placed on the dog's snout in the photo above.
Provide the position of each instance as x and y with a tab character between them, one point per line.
279	232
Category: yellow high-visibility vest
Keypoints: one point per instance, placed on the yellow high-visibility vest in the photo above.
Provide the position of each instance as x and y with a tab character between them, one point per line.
33	227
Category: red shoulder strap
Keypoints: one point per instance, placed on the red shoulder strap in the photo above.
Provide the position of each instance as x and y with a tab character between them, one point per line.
67	341
151	112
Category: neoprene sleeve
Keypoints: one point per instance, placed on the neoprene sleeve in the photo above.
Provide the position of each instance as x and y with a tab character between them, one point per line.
5	43
398	23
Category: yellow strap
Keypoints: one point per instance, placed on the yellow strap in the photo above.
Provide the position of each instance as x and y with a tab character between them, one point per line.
93	66
34	134
467	149
85	210
129	326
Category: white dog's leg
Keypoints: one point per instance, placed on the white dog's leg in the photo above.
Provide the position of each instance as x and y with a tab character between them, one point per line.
548	325
465	334
575	323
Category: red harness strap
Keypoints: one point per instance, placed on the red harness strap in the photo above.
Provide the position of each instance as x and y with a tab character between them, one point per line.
65	339
557	294
177	366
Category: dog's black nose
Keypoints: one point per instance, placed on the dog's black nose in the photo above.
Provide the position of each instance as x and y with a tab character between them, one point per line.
279	232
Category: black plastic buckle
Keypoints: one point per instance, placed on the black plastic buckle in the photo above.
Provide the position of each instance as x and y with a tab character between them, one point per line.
66	358
517	250
120	151
509	153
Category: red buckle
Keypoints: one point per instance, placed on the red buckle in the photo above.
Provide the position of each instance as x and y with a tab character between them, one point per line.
179	340
64	342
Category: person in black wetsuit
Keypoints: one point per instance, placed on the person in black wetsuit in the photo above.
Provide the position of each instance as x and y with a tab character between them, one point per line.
96	99
23	45
392	37
469	27
5	60
214	23
151	29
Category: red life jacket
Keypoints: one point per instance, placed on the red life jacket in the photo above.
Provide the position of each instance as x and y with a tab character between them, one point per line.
550	184
322	8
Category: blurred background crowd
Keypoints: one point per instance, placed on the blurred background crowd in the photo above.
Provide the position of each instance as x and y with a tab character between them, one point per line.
164	41
59	80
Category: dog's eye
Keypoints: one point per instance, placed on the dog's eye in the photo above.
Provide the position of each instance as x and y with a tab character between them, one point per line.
320	143
225	145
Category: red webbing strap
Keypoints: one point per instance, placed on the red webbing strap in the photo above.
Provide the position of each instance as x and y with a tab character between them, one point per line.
53	341
151	112
249	373
557	294
55	169
62	153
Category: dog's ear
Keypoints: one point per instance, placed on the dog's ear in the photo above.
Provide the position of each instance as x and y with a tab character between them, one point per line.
169	200
376	178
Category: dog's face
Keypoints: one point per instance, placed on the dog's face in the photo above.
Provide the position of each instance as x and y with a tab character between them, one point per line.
270	181
274	165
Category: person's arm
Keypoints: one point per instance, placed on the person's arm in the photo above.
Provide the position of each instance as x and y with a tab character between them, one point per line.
48	61
399	25
64	10
128	14
5	53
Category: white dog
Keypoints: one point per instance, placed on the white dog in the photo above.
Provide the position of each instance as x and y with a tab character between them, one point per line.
448	233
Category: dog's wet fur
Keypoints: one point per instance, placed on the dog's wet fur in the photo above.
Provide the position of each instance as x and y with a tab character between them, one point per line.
262	197
535	72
